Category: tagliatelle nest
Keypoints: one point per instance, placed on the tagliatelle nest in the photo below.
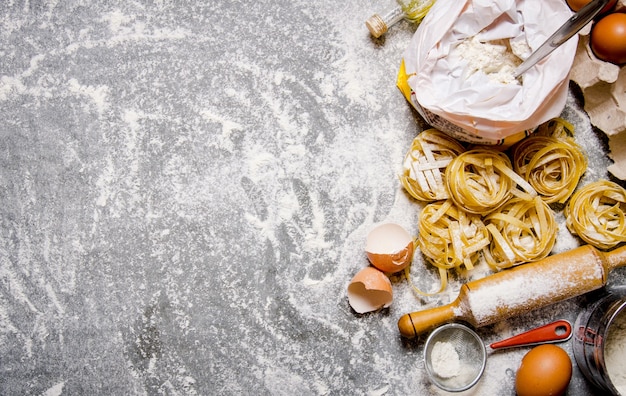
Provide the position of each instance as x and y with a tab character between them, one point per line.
553	167
450	237
424	165
522	231
597	214
481	180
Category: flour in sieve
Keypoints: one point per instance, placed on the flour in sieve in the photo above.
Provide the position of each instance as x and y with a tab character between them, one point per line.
445	360
455	372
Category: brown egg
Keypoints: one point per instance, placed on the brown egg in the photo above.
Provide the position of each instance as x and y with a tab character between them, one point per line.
576	5
545	371
608	38
389	247
369	290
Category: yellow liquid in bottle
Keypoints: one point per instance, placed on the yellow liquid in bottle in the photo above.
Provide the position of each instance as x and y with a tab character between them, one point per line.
412	10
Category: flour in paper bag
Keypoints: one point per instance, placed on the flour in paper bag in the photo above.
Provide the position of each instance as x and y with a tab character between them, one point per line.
434	77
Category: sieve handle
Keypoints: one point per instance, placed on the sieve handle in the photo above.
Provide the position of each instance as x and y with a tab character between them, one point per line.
560	330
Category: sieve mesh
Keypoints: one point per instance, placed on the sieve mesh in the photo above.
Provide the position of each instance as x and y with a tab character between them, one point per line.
464	363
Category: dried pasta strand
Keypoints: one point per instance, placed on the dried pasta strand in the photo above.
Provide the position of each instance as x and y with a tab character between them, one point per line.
424	165
506	254
443	276
597	214
528	189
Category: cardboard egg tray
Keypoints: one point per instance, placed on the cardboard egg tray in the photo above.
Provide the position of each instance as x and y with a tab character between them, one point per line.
603	87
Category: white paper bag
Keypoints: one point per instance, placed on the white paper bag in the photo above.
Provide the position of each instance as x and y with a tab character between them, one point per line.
473	107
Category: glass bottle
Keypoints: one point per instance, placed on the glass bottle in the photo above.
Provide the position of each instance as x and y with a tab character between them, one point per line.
411	10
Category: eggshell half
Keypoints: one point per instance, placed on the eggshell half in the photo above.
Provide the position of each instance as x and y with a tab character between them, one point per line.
389	247
369	290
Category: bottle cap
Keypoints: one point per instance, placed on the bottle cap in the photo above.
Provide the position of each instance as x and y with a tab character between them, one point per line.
376	25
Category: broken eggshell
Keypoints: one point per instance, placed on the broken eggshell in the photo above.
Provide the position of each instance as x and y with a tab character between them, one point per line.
369	290
389	247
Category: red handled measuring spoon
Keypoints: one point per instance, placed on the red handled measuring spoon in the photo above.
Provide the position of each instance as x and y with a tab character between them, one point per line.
558	331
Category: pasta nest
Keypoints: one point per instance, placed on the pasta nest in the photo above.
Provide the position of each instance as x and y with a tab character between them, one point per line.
522	231
481	180
450	237
424	165
553	167
596	213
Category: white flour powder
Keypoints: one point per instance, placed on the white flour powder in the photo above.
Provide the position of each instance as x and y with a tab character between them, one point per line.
494	58
615	352
445	360
448	366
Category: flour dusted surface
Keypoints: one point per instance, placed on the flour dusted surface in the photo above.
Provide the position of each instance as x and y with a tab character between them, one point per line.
186	192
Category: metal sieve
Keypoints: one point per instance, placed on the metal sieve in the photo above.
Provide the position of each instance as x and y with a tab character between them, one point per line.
455	357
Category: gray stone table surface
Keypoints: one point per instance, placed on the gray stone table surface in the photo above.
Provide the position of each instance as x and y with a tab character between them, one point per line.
185	192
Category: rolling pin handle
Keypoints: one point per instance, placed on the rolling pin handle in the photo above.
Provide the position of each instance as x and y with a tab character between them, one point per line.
615	258
413	324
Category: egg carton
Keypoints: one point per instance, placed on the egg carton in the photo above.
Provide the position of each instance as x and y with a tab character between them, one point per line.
603	86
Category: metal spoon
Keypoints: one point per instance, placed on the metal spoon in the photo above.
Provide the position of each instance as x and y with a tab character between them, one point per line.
564	33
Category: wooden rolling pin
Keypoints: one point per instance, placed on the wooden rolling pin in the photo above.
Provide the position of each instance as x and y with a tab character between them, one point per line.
520	289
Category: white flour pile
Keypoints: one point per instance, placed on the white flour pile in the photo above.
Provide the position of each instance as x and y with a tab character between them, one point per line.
445	360
454	372
497	59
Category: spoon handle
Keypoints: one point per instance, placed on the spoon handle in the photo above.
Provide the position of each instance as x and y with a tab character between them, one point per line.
560	330
564	33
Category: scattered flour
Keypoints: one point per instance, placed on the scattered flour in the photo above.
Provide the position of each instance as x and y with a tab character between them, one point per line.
615	352
56	390
98	95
